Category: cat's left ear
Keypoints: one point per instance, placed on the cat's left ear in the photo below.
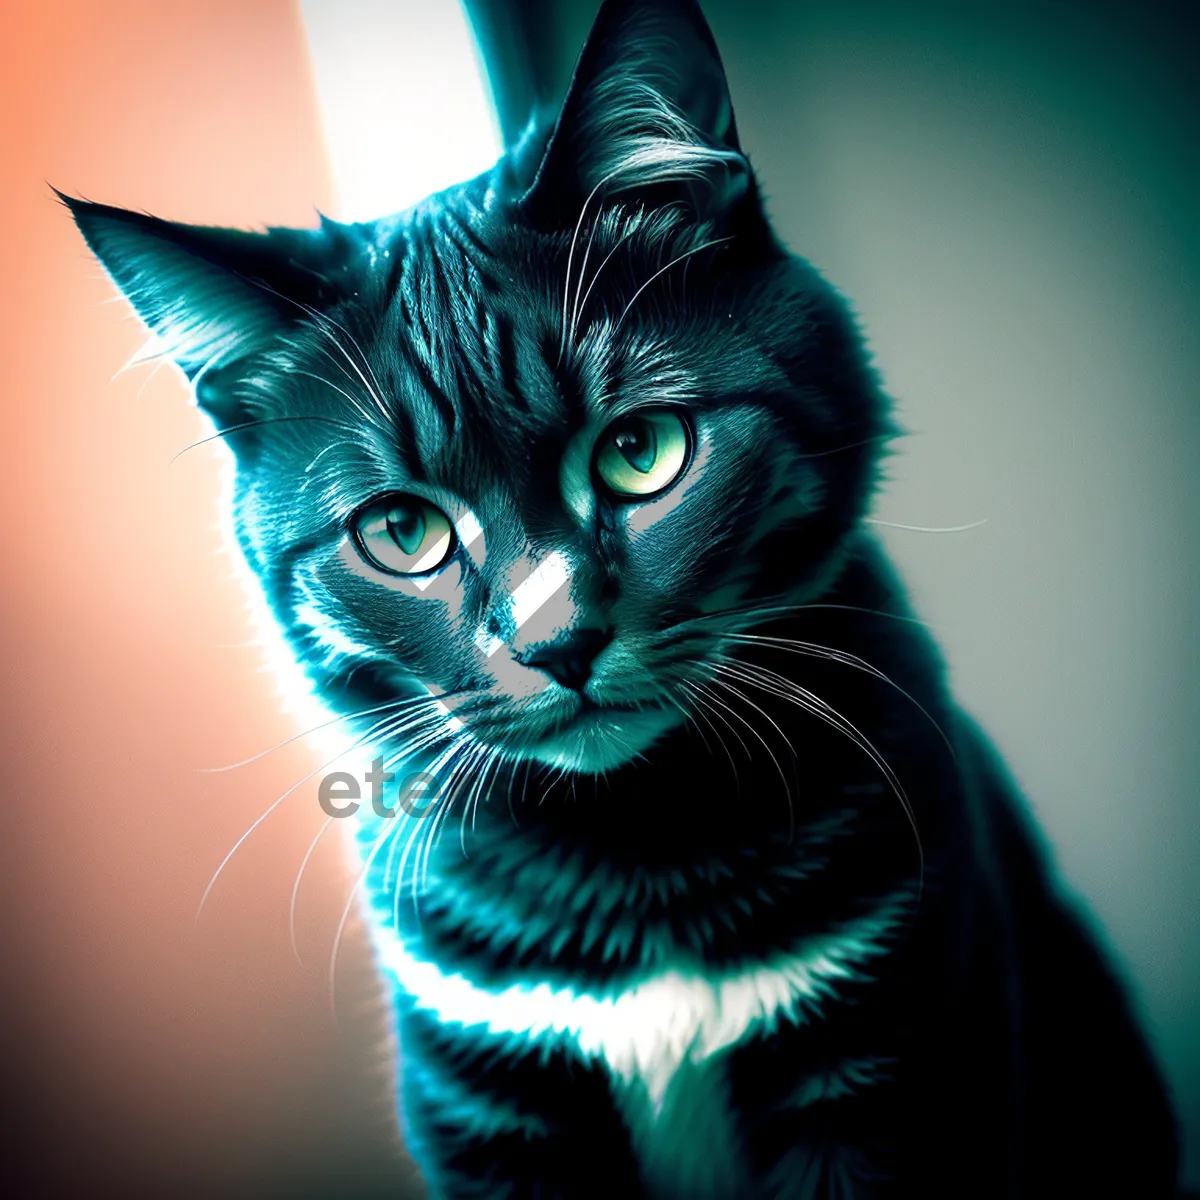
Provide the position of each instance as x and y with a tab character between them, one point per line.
214	297
648	108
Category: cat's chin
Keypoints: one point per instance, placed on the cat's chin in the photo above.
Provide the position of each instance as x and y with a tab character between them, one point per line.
600	740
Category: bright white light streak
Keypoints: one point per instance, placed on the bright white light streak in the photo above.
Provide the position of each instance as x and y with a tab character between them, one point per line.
531	593
468	529
547	578
404	105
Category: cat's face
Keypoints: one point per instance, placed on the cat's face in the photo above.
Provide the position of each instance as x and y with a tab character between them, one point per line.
533	449
525	531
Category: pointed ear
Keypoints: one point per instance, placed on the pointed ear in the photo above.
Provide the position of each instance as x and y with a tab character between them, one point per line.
212	296
648	106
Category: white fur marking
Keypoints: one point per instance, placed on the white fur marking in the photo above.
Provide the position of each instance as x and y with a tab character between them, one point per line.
648	1030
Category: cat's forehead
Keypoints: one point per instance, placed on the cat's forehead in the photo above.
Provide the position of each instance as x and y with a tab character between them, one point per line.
511	340
492	364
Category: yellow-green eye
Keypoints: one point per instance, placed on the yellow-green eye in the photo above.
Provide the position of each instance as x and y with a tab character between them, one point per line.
641	454
404	535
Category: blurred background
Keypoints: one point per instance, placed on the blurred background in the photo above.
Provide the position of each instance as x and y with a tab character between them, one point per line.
1008	195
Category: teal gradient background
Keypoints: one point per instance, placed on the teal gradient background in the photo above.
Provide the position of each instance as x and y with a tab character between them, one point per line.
1007	194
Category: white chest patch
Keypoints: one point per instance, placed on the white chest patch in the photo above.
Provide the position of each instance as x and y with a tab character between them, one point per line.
646	1031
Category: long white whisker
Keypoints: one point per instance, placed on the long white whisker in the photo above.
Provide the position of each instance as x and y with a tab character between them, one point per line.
324	321
562	339
693	687
787	791
354	716
662	270
443	759
376	846
274	805
762	741
587	251
813	650
703	715
296	888
779	685
476	753
352	400
927	528
581	305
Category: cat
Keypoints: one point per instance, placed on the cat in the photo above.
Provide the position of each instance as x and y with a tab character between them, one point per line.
555	485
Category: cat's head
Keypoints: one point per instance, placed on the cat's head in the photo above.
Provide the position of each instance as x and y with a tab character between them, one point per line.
539	443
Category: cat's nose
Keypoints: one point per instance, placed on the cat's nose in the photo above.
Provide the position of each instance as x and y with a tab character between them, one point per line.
568	659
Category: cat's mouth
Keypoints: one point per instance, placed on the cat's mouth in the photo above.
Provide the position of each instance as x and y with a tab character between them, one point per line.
569	730
597	737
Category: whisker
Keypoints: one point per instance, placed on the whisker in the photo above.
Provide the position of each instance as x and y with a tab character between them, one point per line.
491	759
379	729
828	653
693	689
754	614
662	270
320	454
444	758
476	754
878	437
323	321
365	712
243	425
386	833
874	612
700	712
927	528
419	833
379	842
762	741
780	685
296	888
787	791
423	742
273	806
581	306
562	338
587	251
352	400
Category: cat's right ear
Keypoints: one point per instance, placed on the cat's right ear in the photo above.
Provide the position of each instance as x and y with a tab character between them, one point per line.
213	297
647	111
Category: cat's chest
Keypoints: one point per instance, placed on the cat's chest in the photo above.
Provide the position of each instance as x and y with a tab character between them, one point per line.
645	969
650	1027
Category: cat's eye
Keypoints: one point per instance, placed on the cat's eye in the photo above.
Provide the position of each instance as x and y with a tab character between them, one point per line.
642	453
403	535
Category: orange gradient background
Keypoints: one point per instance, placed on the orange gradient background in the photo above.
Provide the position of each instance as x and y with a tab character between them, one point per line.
144	1048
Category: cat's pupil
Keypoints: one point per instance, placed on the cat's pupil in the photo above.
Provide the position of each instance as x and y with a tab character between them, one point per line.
638	445
406	524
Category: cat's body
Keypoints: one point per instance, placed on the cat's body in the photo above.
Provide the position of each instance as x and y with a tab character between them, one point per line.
720	895
636	993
